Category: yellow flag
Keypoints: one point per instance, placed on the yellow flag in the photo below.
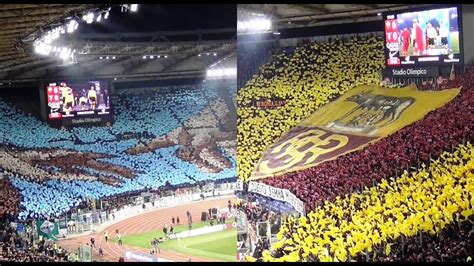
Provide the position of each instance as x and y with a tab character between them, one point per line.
363	115
388	249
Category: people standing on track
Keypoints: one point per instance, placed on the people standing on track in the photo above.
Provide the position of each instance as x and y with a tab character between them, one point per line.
171	230
229	205
120	239
165	231
106	236
172	220
93	242
101	251
121	259
177	220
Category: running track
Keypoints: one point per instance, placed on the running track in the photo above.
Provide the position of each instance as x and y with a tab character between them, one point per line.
146	222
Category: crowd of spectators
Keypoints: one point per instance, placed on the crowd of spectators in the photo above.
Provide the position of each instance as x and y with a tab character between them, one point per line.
390	218
250	55
17	248
9	199
439	130
347	219
453	243
56	170
313	75
260	219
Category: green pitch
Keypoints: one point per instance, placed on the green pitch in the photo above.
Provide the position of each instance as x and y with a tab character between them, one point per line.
220	246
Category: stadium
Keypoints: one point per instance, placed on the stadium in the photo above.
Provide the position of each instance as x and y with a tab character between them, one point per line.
355	133
118	132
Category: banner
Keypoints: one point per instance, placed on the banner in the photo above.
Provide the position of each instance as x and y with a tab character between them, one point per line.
363	115
47	229
140	257
200	231
277	194
240	185
411	72
275	205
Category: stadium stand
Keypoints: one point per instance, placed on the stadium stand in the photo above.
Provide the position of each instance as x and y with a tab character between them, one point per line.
9	200
399	210
441	129
18	249
36	162
307	78
251	55
409	211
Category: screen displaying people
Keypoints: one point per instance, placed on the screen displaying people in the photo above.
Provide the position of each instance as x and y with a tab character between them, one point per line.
428	33
71	99
83	97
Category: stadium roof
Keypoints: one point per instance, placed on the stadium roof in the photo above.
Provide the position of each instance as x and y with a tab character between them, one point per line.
178	35
309	15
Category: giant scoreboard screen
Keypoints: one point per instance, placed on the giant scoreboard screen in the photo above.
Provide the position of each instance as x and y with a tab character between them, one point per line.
425	37
76	103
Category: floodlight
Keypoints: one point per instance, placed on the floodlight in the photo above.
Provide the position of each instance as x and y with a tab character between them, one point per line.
90	18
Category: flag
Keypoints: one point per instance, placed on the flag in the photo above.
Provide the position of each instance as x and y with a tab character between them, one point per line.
47	229
452	75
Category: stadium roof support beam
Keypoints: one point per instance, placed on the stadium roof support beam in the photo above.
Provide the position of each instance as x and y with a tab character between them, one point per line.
151	35
22	65
265	9
318	9
369	6
126	77
345	14
192	54
24	69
